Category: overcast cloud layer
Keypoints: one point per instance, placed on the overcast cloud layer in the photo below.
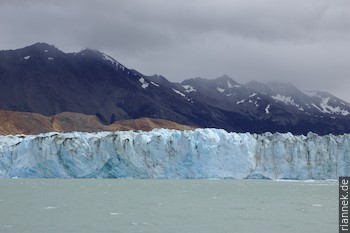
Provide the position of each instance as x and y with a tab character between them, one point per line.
304	42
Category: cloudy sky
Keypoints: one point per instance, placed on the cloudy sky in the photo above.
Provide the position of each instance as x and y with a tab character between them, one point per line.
303	42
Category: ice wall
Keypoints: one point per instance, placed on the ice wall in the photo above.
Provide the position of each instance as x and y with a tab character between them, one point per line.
161	153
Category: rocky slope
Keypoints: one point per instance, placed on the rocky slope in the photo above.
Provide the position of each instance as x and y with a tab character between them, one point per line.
42	79
32	123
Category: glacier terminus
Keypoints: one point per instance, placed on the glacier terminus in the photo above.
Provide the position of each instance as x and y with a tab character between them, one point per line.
174	154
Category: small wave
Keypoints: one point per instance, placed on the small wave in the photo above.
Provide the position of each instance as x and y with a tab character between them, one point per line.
287	180
114	213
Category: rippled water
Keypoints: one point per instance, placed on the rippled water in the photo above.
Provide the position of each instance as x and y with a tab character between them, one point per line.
203	206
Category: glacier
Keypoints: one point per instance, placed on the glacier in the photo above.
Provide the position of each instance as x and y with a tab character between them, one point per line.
174	154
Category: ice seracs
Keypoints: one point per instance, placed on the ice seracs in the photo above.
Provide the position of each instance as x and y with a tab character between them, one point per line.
161	153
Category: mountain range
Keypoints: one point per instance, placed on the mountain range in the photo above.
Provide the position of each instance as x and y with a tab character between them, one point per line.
45	82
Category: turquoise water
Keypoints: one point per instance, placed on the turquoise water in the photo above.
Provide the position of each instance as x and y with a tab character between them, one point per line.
203	206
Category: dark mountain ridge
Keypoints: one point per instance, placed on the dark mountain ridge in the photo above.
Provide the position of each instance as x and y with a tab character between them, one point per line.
42	79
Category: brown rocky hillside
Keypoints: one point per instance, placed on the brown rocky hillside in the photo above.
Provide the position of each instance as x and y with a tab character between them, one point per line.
32	123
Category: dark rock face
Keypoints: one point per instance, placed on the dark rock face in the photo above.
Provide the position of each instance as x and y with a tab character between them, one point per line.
42	79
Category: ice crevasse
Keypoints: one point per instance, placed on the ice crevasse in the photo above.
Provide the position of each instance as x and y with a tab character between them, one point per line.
162	153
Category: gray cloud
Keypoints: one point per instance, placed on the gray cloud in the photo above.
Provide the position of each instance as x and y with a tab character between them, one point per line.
303	42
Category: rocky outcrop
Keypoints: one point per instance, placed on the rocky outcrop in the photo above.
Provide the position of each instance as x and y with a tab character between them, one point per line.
33	123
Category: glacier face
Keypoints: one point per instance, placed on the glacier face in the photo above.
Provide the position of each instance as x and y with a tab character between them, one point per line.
161	153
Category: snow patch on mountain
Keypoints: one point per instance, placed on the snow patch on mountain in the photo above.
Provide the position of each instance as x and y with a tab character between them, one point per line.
113	61
188	88
154	84
179	92
229	84
287	100
26	57
267	109
284	99
326	108
109	58
220	89
144	83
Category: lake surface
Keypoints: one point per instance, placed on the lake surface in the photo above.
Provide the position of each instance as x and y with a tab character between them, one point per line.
167	206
